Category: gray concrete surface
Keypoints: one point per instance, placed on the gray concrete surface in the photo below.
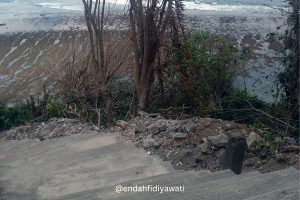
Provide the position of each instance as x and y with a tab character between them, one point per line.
90	166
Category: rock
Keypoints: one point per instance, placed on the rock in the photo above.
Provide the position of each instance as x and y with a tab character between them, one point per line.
182	155
169	155
220	152
149	136
156	145
228	126
251	161
142	113
71	121
121	123
198	158
218	140
153	128
116	128
289	140
179	135
291	148
148	142
167	142
162	127
236	134
204	148
281	158
252	138
140	128
188	126
154	115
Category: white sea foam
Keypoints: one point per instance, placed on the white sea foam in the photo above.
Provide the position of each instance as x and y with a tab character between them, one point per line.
56	41
22	42
229	8
191	5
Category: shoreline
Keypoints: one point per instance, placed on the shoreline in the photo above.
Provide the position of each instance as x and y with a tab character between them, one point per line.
245	29
56	19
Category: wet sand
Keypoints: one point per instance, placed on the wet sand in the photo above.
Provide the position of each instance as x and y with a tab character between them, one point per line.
34	48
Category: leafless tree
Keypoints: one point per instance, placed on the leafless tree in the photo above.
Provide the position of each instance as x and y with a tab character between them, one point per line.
149	21
108	47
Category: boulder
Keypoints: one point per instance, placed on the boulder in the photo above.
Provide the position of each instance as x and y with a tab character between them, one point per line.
218	140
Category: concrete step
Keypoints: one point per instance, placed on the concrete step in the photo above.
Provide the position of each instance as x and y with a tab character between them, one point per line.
288	193
231	188
177	178
72	164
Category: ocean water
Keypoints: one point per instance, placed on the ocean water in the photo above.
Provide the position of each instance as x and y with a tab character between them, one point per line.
30	6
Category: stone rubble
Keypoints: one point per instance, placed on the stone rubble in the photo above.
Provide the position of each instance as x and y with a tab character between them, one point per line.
194	143
189	144
53	128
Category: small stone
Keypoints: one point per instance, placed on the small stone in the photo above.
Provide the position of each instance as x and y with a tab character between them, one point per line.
182	155
251	161
154	115
218	140
148	143
153	128
252	138
149	136
140	128
121	123
204	147
281	158
179	135
188	126
220	152
162	128
236	134
169	155
289	140
142	113
228	126
291	148
156	145
199	158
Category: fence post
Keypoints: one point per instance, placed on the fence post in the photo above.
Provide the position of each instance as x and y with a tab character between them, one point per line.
234	154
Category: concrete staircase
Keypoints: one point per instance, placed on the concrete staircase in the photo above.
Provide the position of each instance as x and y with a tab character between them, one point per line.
90	166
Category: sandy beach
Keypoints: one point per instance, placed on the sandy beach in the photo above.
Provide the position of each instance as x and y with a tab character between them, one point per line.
35	45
